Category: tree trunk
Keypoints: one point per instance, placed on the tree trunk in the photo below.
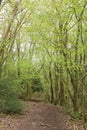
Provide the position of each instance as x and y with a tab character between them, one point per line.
51	84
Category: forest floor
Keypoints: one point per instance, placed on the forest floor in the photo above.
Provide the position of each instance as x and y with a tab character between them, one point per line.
38	116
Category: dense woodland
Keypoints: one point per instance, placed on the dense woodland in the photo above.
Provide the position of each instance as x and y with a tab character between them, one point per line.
43	54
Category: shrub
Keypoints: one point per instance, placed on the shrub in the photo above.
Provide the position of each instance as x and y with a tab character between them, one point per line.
12	107
9	102
37	85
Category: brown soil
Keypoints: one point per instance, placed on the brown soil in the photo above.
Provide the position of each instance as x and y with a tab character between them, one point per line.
37	116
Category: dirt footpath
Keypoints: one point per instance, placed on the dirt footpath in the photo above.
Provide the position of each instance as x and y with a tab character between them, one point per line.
36	116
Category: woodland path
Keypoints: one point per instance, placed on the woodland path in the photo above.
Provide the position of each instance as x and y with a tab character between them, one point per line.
36	116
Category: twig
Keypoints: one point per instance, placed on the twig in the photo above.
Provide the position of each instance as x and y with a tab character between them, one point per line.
47	125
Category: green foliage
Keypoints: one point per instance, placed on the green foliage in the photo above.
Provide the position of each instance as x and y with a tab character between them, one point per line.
11	106
37	85
76	115
9	102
